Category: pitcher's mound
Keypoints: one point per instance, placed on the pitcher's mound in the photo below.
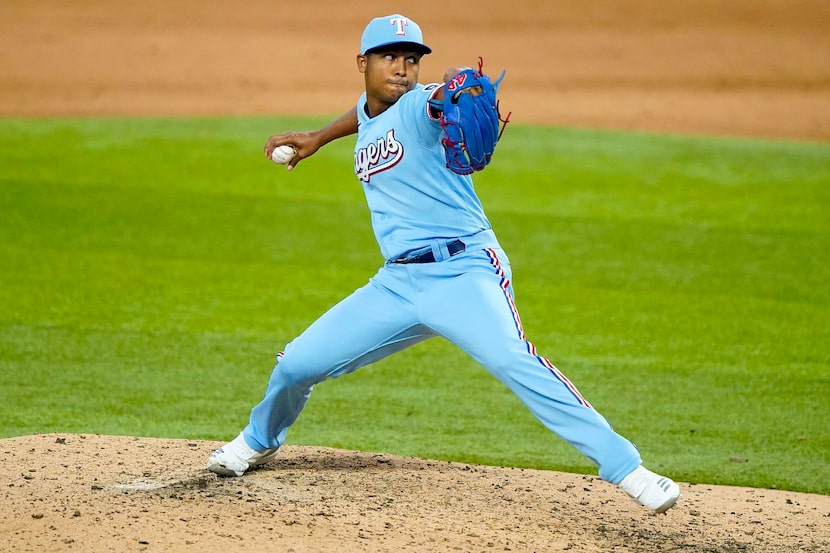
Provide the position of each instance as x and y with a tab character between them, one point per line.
67	492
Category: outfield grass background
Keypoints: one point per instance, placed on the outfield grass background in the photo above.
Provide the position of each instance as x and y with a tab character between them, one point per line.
152	268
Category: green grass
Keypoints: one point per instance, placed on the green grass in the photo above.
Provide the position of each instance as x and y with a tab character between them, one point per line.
152	268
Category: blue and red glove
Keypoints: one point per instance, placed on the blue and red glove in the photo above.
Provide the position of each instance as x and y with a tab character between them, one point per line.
471	120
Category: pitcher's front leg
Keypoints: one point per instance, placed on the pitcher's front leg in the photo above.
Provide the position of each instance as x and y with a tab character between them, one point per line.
367	326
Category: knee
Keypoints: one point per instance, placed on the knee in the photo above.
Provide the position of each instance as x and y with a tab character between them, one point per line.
515	366
291	370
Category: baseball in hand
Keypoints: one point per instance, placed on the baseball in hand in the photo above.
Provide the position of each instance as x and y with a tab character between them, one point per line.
283	154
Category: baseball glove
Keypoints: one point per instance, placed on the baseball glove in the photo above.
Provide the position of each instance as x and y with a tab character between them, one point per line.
471	120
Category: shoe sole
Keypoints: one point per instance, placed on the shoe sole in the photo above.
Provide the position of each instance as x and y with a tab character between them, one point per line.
222	470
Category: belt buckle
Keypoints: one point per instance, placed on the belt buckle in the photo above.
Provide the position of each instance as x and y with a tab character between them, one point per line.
412	255
425	255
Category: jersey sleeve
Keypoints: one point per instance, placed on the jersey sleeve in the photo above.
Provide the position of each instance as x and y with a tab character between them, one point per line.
419	116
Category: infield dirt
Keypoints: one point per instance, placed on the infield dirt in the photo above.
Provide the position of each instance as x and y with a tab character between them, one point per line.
744	68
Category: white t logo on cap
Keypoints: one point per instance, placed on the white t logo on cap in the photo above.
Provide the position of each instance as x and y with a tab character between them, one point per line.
401	23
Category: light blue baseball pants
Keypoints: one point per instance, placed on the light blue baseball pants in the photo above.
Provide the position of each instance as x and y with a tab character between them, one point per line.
467	299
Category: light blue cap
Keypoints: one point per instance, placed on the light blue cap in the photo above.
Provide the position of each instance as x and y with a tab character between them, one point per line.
392	29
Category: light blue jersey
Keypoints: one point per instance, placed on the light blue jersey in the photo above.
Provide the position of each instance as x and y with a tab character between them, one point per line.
413	198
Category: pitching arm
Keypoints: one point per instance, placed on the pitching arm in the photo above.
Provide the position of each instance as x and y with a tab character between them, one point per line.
308	142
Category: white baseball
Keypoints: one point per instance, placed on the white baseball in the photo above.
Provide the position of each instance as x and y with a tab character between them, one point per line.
283	154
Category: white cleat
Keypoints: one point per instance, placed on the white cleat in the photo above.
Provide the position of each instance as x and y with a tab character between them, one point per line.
651	490
236	457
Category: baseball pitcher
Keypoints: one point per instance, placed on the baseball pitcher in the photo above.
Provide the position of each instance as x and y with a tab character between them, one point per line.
445	273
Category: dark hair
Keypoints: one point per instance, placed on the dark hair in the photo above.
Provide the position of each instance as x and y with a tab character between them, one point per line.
414	46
